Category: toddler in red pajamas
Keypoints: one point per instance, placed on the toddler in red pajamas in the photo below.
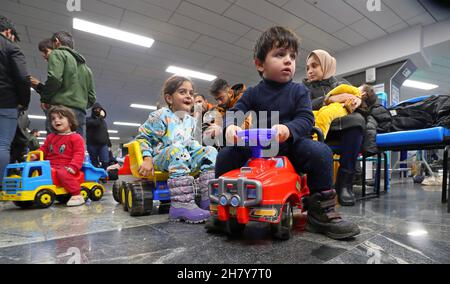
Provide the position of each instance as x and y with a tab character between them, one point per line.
65	150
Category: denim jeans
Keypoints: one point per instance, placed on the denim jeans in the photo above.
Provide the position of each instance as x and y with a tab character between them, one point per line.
96	152
8	126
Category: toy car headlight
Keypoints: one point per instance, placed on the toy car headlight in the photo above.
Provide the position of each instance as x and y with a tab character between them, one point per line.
235	201
223	200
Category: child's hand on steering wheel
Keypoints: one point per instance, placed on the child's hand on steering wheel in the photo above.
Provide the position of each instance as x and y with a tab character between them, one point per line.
283	133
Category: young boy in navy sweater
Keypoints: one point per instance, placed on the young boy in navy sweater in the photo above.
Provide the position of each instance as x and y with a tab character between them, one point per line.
275	56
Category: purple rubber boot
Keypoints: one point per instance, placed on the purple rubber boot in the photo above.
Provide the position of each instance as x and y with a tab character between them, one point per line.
182	206
203	180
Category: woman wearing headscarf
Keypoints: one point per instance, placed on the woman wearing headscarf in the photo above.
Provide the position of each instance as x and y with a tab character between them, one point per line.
347	131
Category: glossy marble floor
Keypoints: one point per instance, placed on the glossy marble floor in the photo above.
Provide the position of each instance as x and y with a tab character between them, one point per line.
408	225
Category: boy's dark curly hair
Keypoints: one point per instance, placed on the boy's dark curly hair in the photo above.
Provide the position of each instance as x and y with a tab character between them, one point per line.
275	37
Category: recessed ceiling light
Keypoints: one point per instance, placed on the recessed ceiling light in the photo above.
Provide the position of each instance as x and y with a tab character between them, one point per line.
420	85
127	124
143	106
112	33
41	117
190	73
113	131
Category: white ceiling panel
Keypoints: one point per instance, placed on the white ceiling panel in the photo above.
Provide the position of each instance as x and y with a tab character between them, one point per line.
271	12
423	19
166	4
322	37
194	25
406	9
143	8
350	37
339	10
368	29
313	15
384	19
211	18
216	6
248	18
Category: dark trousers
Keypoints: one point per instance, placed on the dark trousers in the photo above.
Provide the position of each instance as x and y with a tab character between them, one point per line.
307	156
99	154
350	142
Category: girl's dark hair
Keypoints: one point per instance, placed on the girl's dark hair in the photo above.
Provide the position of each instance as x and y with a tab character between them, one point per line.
275	37
172	84
65	112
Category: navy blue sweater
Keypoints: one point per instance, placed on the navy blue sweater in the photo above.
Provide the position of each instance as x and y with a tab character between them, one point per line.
291	100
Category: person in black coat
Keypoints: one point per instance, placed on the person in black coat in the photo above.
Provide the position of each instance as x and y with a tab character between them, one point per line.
98	142
347	132
14	88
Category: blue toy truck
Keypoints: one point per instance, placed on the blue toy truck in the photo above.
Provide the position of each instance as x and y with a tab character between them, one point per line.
35	184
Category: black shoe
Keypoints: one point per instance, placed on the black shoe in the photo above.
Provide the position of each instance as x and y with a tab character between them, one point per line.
344	187
323	218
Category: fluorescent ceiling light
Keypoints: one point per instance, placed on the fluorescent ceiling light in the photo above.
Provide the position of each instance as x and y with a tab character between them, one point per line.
41	143
127	124
190	73
143	106
113	131
419	85
41	138
114	138
41	117
108	32
43	132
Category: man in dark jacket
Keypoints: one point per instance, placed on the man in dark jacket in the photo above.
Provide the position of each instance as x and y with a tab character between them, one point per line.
98	142
69	80
14	88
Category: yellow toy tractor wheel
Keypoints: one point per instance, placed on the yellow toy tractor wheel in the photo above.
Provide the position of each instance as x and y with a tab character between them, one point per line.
85	193
116	191
96	193
44	199
139	199
123	191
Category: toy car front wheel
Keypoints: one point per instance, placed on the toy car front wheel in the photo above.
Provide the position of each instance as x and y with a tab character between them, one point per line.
213	225
139	200
96	193
233	228
85	193
24	204
44	199
283	230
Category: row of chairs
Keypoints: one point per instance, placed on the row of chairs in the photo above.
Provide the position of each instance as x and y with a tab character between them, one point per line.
415	140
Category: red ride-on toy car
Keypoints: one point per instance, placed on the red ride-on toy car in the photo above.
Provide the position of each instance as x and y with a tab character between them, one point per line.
265	190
